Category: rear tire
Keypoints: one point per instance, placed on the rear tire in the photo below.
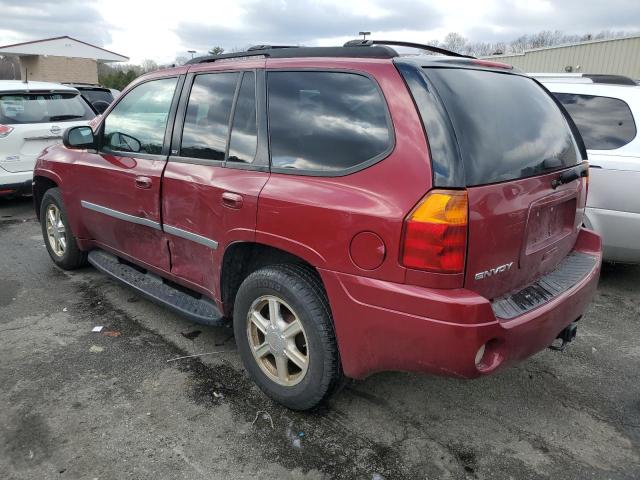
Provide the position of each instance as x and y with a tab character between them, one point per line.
268	304
58	238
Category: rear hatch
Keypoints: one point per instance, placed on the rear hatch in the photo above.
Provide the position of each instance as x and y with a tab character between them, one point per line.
37	120
513	143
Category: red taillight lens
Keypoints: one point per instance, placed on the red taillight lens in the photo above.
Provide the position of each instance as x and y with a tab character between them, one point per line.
5	130
435	233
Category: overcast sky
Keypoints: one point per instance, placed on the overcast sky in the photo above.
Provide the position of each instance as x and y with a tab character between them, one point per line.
161	30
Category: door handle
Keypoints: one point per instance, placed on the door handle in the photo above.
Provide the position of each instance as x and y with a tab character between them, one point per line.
143	182
231	200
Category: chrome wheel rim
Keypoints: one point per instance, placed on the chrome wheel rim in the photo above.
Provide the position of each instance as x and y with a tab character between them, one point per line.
277	340
56	231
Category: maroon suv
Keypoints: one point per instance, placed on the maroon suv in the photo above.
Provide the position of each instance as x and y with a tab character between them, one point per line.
350	210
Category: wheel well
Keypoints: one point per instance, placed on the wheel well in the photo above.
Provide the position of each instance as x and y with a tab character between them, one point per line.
40	186
243	258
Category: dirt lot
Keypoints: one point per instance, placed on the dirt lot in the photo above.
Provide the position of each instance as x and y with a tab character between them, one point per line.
77	404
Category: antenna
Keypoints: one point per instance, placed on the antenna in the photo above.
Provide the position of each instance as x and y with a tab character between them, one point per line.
364	35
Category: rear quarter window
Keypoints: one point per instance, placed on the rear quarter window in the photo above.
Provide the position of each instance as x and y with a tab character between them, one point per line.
605	123
326	122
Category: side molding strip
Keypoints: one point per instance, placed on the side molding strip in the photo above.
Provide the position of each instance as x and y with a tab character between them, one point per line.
120	215
194	237
178	232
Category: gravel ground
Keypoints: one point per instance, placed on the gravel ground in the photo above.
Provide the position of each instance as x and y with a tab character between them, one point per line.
77	404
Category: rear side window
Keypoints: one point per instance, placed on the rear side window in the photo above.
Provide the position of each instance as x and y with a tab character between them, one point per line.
507	127
605	123
43	108
206	124
326	122
139	121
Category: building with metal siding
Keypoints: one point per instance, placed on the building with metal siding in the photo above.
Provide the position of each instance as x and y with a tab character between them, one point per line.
620	56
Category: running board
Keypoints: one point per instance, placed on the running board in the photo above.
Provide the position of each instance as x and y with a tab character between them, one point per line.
199	310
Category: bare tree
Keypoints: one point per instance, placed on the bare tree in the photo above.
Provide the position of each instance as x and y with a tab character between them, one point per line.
181	60
9	68
148	66
454	42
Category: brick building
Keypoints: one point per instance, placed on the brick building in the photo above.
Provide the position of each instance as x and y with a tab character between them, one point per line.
60	59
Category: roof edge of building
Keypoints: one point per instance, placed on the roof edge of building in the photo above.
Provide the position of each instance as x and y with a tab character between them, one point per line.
31	42
565	45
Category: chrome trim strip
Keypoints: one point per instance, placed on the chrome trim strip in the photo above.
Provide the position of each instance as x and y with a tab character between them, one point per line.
45	137
194	237
120	216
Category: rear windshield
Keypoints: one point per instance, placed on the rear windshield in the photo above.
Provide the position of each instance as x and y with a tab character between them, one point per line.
506	126
43	108
97	95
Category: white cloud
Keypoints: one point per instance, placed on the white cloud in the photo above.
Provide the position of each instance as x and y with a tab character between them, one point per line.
162	30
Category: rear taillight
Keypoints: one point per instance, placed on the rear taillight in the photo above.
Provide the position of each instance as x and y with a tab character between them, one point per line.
5	130
435	233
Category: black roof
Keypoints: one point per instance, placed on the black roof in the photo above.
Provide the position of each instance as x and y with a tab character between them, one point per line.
351	49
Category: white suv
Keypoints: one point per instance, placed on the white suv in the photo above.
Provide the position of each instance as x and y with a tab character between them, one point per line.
33	116
606	110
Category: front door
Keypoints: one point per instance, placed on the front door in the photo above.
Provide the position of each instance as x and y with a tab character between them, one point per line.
119	187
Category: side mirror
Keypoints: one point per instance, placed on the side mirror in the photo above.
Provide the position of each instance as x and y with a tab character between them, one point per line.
79	138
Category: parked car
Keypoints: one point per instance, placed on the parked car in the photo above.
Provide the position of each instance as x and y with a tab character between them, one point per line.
33	116
98	97
606	110
346	217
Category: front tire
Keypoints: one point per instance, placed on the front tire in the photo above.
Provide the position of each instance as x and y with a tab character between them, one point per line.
284	332
58	238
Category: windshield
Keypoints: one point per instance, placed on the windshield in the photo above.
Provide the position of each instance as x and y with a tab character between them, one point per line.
506	126
20	108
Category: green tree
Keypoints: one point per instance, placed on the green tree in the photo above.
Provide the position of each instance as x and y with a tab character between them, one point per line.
216	51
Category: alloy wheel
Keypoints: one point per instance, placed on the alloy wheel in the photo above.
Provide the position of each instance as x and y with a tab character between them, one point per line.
56	231
277	340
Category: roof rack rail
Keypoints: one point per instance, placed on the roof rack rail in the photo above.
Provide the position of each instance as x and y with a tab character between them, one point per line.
286	51
222	56
600	78
419	46
269	47
611	79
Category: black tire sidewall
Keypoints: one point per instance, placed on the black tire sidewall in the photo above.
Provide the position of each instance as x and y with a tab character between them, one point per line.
310	311
71	256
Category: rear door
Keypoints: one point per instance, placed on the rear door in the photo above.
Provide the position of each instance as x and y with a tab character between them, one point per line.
218	166
513	143
38	120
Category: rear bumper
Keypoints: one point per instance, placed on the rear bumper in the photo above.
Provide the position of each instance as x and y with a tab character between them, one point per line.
383	326
620	232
